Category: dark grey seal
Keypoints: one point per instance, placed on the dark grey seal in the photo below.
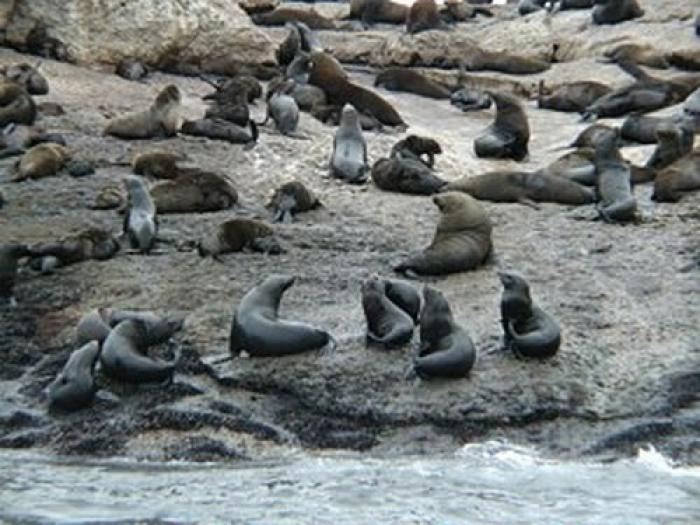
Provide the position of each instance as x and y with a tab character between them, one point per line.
349	156
508	136
74	387
616	200
387	324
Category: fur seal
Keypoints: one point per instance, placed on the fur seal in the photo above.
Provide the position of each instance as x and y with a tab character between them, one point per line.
97	323
422	16
403	295
282	15
140	224
639	127
681	176
16	105
110	197
462	239
236	235
415	146
124	356
231	90
617	202
644	55
446	350
615	11
28	77
523	187
509	134
235	111
675	140
43	160
349	157
410	81
194	190
290	46
131	69
526	7
257	328
378	11
527	329
575	4
283	109
91	243
291	198
162	119
10	254
221	130
574	96
327	73
74	387
590	136
577	165
387	324
453	11
480	60
406	175
688	59
157	163
468	99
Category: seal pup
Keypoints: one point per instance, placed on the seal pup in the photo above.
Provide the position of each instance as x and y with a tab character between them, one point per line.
74	387
508	136
406	175
140	225
403	295
16	105
349	156
162	119
617	202
414	147
194	190
28	77
42	160
91	243
387	324
571	97
10	254
527	329
257	328
462	239
291	198
219	129
446	350
675	140
232	88
422	16
615	11
124	358
235	110
157	163
673	181
468	99
236	235
283	109
409	81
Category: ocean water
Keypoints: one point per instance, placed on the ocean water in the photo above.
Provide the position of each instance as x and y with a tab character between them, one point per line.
491	483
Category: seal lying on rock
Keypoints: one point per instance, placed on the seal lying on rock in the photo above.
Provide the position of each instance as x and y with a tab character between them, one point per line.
523	187
406	175
387	324
28	77
291	198
403	295
10	254
644	55
468	99
615	11
162	119
422	16
462	238
97	323
124	356
574	97
157	163
221	130
235	235
617	202
414	147
675	140
641	128
409	81
509	134
282	15
680	177
74	387
194	190
257	328
140	223
92	243
378	11
577	165
16	105
446	350
590	136
231	90
349	157
527	329
43	160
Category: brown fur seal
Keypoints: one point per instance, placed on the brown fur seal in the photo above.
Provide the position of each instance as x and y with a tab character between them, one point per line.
218	129
194	190
526	7
110	197
349	156
462	238
410	81
291	198
328	74
162	119
415	146
688	59
236	235
615	11
43	160
680	177
446	350
157	163
577	165
257	328
509	134
331	114
617	202
28	77
575	4
527	329
453	11
74	387
92	243
590	136
406	175
387	324
235	111
644	55
290	46
422	16
523	187
574	97
378	11
675	140
481	60
639	127
10	254
233	88
140	225
124	356
16	105
15	139
281	15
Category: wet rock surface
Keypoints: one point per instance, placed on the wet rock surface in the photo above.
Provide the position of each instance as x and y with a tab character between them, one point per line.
627	297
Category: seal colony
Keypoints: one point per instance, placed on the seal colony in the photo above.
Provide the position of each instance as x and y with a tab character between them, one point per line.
175	178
